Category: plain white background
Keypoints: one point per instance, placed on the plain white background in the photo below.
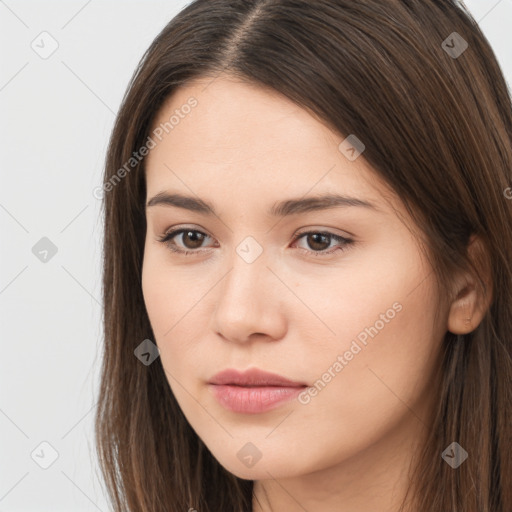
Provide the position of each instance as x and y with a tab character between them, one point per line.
56	116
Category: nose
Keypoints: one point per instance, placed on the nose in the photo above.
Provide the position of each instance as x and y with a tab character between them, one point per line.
250	302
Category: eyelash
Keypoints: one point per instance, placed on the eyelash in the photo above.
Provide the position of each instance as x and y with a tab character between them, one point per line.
167	239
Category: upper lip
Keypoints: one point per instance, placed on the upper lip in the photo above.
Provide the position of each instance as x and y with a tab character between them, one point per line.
252	378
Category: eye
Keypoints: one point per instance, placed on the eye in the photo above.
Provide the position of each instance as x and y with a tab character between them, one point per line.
320	240
192	240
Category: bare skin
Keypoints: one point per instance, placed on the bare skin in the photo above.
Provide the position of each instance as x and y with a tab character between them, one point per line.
298	306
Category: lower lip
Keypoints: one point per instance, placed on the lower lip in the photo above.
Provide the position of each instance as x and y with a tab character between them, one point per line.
253	400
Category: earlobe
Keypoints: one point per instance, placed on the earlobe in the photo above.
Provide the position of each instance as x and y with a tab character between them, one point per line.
463	317
472	302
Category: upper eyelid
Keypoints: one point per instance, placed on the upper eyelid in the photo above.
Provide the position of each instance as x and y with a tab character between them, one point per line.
179	230
327	231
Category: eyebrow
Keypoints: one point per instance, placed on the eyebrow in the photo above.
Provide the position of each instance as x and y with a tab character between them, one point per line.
280	209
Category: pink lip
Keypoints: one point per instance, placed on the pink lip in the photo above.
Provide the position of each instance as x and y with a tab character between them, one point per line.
253	391
252	377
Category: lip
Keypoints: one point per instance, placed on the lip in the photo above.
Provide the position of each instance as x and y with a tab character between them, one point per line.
253	377
253	391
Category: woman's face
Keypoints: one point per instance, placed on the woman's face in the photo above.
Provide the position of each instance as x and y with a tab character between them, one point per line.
353	321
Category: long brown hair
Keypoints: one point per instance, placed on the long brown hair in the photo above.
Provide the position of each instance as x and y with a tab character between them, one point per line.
434	112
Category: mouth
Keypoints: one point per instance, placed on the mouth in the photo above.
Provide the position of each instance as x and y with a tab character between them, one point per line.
253	391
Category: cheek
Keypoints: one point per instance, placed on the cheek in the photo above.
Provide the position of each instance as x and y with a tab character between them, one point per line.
158	295
174	299
383	342
169	292
383	354
373	295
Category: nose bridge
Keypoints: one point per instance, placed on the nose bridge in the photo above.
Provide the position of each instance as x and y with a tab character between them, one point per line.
247	300
248	271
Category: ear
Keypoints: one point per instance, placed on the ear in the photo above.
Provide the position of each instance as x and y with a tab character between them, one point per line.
471	301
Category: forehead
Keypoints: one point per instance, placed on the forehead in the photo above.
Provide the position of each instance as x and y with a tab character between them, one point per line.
240	119
239	135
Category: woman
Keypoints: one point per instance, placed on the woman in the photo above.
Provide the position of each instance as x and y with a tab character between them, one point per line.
307	271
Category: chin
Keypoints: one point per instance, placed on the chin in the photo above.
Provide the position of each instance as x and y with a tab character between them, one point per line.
263	469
